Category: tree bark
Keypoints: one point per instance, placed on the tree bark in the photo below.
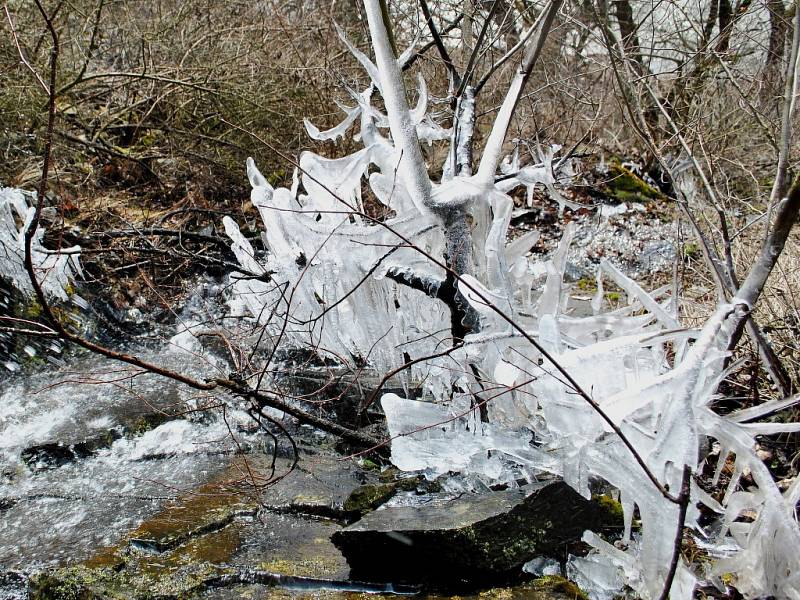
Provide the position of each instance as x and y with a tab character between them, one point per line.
753	285
777	33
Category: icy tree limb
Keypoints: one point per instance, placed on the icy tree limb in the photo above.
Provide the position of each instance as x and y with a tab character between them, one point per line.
368	65
463	134
516	48
494	145
339	131
463	318
427	285
404	131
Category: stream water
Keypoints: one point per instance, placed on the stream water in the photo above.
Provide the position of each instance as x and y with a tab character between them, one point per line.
89	450
100	461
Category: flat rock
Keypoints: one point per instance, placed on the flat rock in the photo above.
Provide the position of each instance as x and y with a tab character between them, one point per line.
469	537
320	485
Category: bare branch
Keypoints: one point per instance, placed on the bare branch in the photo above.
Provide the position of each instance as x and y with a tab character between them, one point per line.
22	56
437	40
477	49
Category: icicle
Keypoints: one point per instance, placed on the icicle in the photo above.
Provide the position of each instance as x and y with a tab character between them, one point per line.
55	271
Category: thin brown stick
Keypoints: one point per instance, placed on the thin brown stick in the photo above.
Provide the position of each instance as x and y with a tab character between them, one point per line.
22	56
437	41
683	503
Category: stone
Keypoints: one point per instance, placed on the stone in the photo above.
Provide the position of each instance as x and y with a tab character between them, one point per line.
473	536
369	497
319	485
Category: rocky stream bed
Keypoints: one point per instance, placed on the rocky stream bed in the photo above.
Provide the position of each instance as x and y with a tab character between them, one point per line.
114	487
119	484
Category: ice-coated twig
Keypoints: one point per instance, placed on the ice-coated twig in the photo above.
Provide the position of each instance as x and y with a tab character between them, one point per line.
362	58
338	131
494	145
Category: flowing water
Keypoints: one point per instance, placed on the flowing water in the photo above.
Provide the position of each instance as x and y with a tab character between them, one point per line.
89	450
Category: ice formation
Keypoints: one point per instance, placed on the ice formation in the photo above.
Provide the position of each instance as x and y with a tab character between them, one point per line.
54	270
333	281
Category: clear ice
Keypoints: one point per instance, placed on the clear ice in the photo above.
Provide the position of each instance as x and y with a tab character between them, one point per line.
329	283
55	270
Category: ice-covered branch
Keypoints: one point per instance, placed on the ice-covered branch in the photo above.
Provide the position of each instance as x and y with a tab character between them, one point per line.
404	132
494	145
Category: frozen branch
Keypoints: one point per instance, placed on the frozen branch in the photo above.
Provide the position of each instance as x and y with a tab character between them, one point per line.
494	145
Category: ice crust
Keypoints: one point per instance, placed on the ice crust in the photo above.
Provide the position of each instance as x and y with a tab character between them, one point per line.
55	271
329	283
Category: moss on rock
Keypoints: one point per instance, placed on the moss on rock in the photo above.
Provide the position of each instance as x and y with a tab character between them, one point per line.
623	185
369	497
555	584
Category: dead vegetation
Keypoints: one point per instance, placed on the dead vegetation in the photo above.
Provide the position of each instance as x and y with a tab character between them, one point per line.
159	104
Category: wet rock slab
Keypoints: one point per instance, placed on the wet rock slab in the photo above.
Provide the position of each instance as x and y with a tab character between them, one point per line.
546	588
220	536
470	537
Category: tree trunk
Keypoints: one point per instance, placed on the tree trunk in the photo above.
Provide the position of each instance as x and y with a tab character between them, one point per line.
777	33
751	288
629	33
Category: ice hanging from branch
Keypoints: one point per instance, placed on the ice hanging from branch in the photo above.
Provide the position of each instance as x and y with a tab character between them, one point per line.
55	270
364	291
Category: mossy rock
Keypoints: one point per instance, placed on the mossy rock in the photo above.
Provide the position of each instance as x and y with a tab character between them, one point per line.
170	556
83	583
210	508
555	585
369	497
623	185
65	584
474	536
611	506
146	422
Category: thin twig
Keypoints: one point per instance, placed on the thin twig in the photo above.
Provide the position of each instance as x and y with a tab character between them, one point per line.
437	41
22	56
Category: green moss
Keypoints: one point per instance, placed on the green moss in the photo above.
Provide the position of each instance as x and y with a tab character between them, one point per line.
369	497
691	250
611	506
30	310
369	465
146	423
65	584
193	536
276	177
625	186
587	284
149	139
297	568
613	296
174	575
558	584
